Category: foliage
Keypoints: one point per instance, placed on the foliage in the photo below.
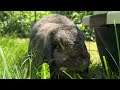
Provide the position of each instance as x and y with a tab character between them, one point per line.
89	34
45	71
18	23
75	16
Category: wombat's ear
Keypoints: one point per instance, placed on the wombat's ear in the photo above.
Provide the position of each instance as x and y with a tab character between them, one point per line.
48	51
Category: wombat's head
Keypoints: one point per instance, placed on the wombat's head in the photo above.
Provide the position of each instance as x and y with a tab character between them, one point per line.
70	50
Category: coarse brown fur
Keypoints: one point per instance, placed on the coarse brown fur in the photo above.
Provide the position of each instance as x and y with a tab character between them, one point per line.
58	40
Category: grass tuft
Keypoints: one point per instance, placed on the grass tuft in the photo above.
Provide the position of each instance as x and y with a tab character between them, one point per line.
12	65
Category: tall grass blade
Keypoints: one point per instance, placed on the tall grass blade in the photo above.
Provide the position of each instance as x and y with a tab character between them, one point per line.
3	74
63	48
106	67
25	73
68	75
5	64
113	59
43	70
24	62
30	62
79	76
17	73
117	41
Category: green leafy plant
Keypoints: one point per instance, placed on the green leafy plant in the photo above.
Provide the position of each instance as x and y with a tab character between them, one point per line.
45	71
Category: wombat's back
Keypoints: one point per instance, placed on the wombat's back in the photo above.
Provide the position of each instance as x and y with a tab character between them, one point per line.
53	18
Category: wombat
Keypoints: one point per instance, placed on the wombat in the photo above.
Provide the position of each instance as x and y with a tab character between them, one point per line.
57	40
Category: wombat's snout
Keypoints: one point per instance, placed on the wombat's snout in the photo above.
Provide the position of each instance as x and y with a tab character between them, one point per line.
72	59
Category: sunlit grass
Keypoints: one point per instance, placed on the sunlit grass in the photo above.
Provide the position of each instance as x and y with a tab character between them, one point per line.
14	50
93	51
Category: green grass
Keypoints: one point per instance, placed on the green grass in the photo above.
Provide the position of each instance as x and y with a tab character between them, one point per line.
13	64
11	54
93	51
45	71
